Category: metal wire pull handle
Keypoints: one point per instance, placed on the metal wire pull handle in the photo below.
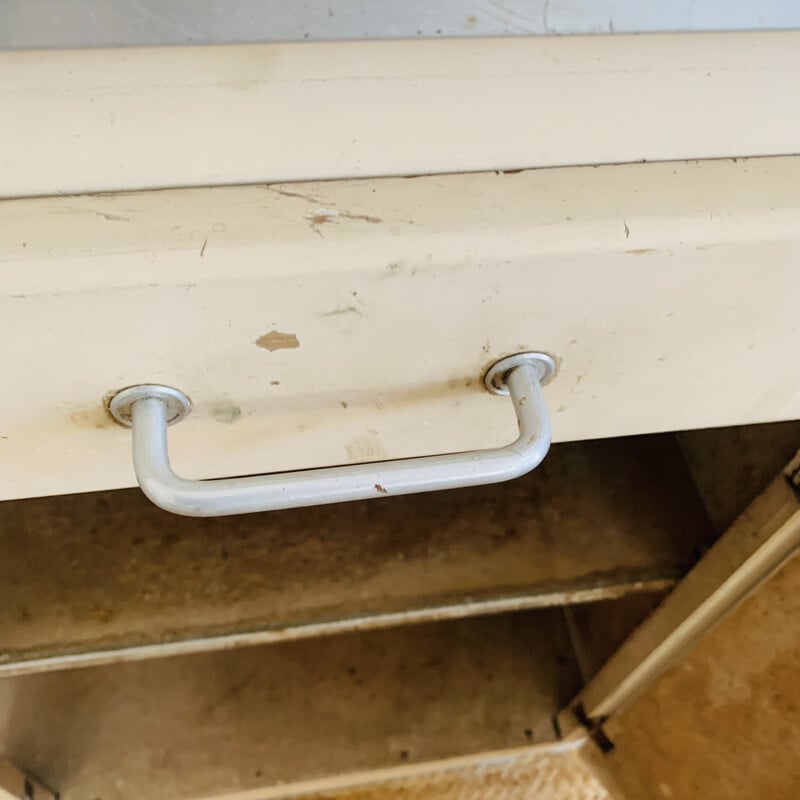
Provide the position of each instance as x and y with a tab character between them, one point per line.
149	408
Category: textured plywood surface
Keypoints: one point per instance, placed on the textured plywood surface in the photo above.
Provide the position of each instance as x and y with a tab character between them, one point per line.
257	717
527	775
91	574
722	723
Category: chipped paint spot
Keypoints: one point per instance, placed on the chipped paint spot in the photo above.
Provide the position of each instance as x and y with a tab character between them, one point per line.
277	340
379	489
112	217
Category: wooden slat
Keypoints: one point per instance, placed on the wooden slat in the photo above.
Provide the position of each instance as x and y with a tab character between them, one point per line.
759	542
225	722
353	321
17	785
557	771
94	578
79	121
723	722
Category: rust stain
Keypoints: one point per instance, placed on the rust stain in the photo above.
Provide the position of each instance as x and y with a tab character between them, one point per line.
323	216
277	340
97	418
640	251
379	489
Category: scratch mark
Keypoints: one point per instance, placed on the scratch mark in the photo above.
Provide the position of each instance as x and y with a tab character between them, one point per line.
104	214
203	248
338	312
276	340
286	193
323	216
627	229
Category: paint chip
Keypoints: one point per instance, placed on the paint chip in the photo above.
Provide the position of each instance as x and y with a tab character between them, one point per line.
277	340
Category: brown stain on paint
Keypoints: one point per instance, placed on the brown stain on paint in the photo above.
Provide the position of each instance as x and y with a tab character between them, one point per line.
327	216
322	217
97	418
640	251
277	340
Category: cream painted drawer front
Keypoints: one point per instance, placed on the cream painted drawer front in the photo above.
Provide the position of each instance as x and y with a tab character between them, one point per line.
328	323
122	119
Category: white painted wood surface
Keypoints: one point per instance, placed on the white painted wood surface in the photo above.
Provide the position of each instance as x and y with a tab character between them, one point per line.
106	120
668	292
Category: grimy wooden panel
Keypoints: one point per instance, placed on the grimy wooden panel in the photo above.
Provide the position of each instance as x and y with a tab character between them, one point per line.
206	724
722	722
109	120
107	577
346	322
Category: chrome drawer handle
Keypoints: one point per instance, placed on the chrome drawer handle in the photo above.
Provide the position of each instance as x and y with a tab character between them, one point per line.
148	409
